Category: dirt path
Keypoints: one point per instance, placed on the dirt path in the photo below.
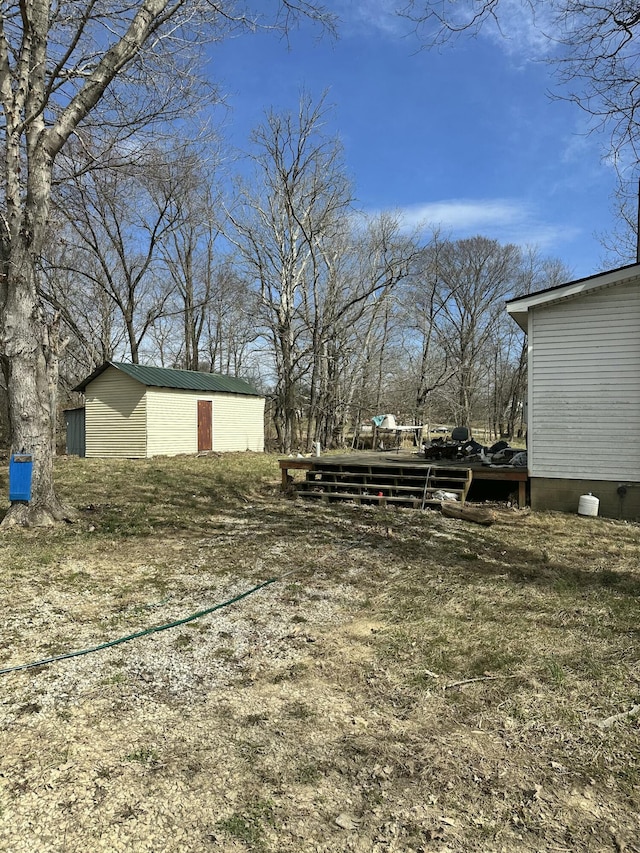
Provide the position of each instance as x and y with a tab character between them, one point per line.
319	714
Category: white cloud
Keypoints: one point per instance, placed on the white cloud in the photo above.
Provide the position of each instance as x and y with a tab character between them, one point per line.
522	30
379	15
505	220
517	29
462	214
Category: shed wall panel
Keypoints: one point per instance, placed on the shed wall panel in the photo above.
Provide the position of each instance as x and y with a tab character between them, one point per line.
584	386
116	423
238	423
172	424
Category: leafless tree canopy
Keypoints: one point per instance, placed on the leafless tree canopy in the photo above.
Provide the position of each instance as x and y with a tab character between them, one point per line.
593	50
115	241
101	73
593	46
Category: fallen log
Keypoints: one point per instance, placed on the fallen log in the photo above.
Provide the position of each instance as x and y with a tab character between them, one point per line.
468	513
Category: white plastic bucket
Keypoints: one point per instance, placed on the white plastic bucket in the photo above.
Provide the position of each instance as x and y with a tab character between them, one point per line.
588	505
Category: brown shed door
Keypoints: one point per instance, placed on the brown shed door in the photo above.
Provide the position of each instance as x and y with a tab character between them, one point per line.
204	425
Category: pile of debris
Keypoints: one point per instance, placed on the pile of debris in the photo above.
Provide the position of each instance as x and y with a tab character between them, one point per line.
499	454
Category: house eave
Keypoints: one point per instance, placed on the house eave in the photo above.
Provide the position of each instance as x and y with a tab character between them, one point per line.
521	318
519	307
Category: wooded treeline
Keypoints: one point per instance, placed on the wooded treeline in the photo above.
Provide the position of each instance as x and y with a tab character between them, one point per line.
116	240
335	315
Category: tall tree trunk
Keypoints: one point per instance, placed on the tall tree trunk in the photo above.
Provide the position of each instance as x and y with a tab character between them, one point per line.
30	364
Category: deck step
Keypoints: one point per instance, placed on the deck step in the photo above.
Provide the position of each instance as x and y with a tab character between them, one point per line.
404	485
415	502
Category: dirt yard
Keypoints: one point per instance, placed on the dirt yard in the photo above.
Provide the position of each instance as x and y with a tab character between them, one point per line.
409	683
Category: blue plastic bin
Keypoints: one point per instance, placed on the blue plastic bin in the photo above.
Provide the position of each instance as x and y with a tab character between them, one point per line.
20	472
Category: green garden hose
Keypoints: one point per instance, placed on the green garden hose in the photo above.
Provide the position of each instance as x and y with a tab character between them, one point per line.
153	630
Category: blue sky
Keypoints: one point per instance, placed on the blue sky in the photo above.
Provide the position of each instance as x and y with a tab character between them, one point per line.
465	137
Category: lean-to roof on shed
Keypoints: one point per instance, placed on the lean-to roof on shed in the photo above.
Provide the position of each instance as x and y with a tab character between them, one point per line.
519	307
164	377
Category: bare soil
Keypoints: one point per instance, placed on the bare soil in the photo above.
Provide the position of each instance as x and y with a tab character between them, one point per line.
409	683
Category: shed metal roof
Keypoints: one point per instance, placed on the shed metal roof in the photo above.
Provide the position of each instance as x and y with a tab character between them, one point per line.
164	377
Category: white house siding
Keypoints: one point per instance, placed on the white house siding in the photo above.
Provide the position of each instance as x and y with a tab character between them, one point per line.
584	386
172	421
116	423
238	422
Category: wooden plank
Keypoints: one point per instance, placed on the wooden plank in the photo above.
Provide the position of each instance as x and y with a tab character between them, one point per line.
522	494
292	464
478	516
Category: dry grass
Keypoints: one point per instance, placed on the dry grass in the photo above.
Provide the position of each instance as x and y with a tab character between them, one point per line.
415	684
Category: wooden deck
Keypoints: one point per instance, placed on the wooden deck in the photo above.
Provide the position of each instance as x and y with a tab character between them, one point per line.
399	477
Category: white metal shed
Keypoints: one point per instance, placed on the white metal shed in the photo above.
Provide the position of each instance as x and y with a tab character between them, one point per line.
135	411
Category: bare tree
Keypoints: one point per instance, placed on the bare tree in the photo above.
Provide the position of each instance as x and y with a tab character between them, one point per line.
120	223
361	269
507	353
474	278
593	47
622	244
89	319
189	257
230	324
299	193
422	307
140	245
210	298
58	64
323	278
